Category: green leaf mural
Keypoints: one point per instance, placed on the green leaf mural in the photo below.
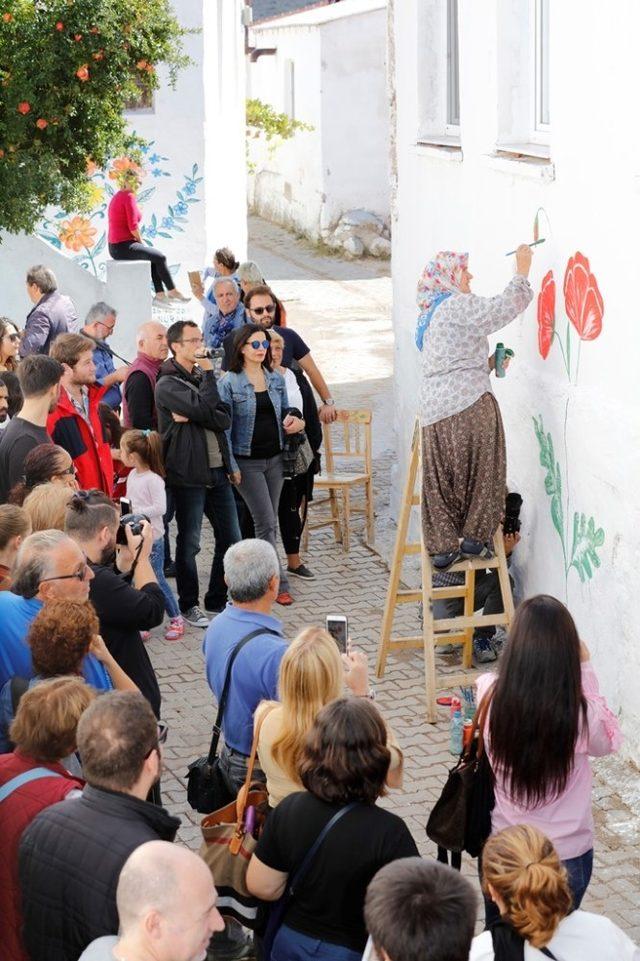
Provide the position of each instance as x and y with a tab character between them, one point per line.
586	538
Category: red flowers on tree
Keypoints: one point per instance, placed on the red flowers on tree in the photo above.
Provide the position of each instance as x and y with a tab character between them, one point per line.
24	107
546	314
582	298
41	123
82	73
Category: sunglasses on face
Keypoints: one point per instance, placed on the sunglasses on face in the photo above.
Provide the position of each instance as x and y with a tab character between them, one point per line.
271	309
163	730
257	344
76	576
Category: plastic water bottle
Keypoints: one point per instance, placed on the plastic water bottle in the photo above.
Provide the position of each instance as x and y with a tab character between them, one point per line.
455	732
500	355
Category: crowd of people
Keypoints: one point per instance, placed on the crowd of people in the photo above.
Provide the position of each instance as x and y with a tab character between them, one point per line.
99	466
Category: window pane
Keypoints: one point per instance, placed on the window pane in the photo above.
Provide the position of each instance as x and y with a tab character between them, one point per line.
542	67
453	82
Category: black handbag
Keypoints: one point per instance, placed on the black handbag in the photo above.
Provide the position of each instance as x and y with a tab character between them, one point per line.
207	788
461	817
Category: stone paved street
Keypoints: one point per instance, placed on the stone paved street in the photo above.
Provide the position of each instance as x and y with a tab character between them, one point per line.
342	310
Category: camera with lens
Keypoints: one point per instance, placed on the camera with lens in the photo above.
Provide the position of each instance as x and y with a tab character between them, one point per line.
512	521
134	521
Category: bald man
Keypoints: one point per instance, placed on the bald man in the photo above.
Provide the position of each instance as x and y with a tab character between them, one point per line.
139	408
166	905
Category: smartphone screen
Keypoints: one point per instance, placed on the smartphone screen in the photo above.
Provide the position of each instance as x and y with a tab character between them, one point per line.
338	627
125	506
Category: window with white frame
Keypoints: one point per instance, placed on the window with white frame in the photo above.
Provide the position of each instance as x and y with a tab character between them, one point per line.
438	73
524	89
290	89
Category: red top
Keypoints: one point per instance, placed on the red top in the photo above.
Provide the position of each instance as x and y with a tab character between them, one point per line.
16	813
124	217
84	440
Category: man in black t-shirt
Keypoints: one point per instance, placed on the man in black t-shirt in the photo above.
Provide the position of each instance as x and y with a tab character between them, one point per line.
260	304
39	377
124	607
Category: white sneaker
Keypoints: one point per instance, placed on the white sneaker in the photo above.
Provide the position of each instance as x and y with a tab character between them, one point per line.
195	617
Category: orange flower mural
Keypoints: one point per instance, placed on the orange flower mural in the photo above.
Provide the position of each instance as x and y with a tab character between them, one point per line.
546	314
582	298
121	164
77	233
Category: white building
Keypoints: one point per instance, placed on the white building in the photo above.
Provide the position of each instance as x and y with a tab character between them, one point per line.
504	108
325	66
193	195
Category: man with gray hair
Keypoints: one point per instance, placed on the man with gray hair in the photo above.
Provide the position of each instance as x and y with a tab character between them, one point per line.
49	567
53	313
99	324
139	407
166	906
223	311
246	626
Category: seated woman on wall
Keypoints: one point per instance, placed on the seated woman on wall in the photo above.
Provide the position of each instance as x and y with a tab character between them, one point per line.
523	875
125	239
463	445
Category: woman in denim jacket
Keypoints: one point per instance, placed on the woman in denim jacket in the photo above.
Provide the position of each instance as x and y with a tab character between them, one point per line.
260	419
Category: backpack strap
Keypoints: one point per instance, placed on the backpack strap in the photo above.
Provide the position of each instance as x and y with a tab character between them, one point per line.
35	774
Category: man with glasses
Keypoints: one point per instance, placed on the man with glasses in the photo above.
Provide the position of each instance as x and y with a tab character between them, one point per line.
100	324
192	420
260	305
71	855
49	567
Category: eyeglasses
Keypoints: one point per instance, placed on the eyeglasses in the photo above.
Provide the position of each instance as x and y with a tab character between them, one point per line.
257	344
271	309
192	340
163	730
77	575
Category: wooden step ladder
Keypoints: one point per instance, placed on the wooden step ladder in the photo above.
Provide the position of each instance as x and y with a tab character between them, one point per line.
443	631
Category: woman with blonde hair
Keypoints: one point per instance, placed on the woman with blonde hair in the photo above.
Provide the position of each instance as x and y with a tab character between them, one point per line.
312	673
47	505
522	873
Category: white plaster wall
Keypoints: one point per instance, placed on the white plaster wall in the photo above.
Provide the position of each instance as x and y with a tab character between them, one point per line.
593	206
340	88
288	183
355	112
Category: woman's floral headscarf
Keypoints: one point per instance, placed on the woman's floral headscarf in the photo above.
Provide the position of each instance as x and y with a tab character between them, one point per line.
440	278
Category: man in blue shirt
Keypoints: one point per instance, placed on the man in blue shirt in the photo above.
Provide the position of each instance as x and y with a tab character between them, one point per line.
252	575
49	567
100	324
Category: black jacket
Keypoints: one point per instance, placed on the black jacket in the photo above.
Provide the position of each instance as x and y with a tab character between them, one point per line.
194	396
70	859
124	611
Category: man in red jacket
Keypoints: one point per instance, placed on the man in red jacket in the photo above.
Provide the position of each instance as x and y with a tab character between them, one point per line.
75	423
31	779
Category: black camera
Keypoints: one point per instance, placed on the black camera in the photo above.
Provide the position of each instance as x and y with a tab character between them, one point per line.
134	521
511	523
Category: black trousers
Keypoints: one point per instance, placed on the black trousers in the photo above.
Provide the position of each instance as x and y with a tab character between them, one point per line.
294	492
132	250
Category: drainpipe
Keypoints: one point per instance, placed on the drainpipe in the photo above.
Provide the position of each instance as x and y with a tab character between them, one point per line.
254	53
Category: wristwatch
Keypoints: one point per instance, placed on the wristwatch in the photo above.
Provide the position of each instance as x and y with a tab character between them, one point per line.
329	402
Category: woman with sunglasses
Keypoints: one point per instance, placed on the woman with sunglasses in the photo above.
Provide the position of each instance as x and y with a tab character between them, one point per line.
261	416
9	344
45	464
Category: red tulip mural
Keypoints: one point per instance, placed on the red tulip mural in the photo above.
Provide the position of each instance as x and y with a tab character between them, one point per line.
583	304
580	538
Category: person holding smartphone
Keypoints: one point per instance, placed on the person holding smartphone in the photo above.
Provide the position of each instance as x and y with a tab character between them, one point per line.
313	672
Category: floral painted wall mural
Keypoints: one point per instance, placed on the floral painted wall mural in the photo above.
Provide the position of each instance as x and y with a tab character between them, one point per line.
84	236
584	306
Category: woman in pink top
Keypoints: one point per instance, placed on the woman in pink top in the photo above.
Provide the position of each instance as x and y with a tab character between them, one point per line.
125	240
546	719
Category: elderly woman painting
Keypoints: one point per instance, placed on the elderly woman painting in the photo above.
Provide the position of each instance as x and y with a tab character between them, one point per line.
463	445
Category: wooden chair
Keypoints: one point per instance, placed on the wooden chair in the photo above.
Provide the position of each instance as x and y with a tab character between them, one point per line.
353	430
